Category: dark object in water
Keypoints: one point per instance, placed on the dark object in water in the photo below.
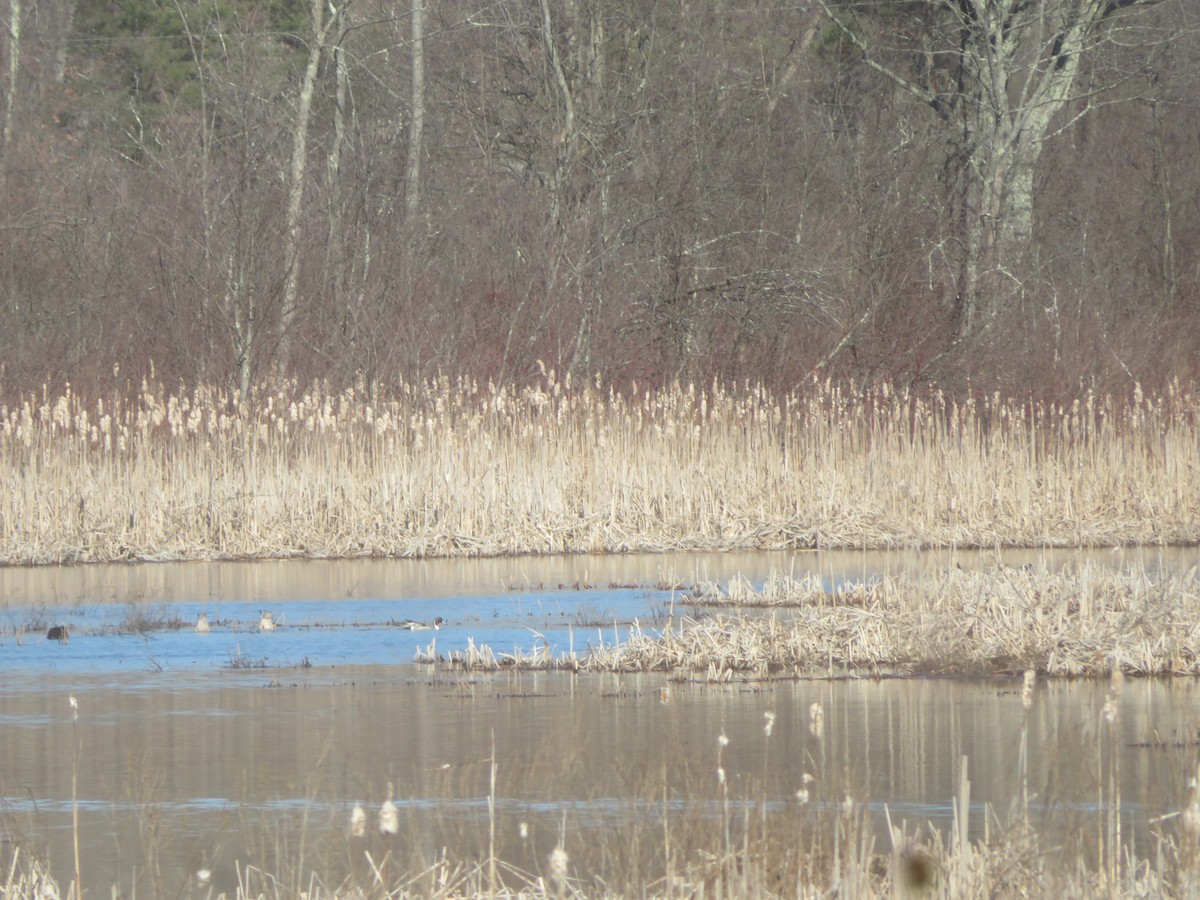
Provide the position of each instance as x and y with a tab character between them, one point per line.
57	633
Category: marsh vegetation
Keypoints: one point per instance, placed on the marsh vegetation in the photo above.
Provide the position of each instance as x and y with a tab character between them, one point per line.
457	468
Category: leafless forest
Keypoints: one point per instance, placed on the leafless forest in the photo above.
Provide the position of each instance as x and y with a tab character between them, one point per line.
999	193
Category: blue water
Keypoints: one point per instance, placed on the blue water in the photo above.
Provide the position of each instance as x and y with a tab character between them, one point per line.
317	632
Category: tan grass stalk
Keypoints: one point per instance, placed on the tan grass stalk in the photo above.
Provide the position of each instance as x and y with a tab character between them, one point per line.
1064	623
449	467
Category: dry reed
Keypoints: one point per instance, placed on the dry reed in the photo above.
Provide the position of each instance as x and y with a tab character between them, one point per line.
832	852
1087	621
455	468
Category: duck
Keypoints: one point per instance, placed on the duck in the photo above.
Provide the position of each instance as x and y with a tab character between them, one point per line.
57	633
202	625
266	622
413	625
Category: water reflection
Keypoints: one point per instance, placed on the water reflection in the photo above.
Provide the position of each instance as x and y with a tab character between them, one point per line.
207	769
269	581
186	761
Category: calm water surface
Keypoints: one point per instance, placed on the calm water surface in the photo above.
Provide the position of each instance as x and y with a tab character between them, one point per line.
185	761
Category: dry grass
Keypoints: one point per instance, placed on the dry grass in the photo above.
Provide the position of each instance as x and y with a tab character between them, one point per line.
455	468
1087	621
827	852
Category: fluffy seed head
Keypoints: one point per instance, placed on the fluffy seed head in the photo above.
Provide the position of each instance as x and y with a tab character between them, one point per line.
389	815
816	719
558	866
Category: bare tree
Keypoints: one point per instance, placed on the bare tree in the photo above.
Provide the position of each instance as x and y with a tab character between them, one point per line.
1002	72
321	25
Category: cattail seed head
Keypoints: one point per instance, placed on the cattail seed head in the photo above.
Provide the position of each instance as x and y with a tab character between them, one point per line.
1110	709
358	821
389	815
558	867
1190	815
816	719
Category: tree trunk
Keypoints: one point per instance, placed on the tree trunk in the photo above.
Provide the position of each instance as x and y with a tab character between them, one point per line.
998	228
1016	65
334	276
412	169
14	65
320	30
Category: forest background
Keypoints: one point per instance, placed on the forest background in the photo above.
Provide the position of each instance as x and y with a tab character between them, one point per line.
999	193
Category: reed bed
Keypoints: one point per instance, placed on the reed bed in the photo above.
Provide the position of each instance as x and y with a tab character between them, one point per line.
449	467
1090	621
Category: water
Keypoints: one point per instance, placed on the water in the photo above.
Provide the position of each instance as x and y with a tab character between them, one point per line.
186	760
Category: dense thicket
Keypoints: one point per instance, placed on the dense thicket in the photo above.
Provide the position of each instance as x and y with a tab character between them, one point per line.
637	188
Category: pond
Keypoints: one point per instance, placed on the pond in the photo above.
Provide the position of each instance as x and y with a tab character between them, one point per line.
241	747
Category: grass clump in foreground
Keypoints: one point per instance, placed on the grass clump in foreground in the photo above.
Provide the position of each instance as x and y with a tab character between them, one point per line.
451	468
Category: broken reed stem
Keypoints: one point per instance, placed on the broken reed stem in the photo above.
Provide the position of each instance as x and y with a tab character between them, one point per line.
449	467
492	884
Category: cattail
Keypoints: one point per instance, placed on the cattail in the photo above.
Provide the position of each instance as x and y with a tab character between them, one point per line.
816	719
389	816
918	868
1190	815
47	889
266	622
202	626
358	821
1027	688
770	717
558	868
